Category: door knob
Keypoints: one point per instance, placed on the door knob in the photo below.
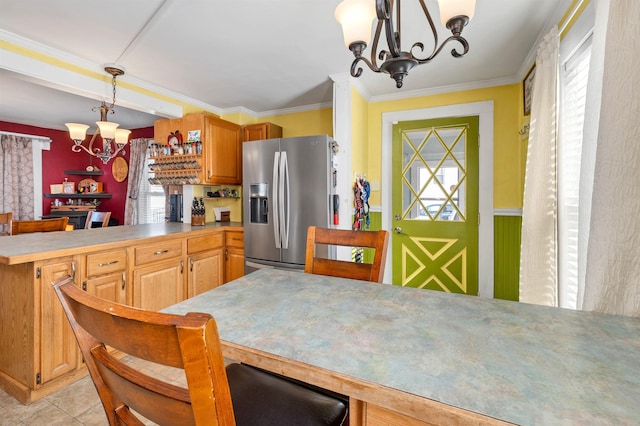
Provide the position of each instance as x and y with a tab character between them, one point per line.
398	230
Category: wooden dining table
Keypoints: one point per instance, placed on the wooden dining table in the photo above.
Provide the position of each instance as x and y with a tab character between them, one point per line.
422	357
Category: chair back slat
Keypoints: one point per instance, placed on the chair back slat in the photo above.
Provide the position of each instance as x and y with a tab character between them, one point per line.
101	219
5	223
377	240
44	225
189	342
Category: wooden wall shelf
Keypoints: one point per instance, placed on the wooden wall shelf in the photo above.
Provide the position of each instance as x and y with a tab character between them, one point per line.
84	172
89	195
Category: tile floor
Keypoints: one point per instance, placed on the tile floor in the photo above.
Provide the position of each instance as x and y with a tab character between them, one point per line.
76	404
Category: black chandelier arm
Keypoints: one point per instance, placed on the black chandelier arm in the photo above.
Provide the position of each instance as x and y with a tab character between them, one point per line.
373	64
383	12
454	52
356	71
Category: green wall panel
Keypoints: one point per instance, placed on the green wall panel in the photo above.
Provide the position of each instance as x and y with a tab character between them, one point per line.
506	263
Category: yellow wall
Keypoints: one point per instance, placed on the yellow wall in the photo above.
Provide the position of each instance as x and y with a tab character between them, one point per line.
307	123
359	134
509	150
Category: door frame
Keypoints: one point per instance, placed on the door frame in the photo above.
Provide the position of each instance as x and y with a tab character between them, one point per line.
484	110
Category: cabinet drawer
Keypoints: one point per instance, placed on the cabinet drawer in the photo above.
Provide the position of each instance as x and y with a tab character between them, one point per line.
106	262
234	239
159	251
206	242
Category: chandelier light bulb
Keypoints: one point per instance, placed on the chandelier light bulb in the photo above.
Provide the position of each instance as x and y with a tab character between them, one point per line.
453	8
122	136
107	129
356	18
77	132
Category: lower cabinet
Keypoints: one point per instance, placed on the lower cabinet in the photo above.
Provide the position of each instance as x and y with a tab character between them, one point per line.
234	255
158	275
38	350
106	275
158	286
206	263
206	270
58	348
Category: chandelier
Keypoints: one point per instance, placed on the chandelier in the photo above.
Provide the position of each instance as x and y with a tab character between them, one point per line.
113	139
356	18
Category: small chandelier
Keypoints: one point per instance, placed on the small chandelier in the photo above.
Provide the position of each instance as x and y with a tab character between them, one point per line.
108	130
356	17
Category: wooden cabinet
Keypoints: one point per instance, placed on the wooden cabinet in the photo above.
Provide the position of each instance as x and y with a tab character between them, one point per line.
158	280
164	127
58	348
234	254
260	131
222	151
107	275
38	351
206	263
221	145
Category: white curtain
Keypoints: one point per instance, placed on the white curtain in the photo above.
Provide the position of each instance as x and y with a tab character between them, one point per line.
538	265
611	253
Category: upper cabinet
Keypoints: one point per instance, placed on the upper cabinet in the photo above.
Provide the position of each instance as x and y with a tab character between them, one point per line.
221	159
260	131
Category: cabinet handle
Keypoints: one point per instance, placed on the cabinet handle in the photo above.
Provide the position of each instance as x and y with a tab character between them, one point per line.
84	285
108	263
73	270
182	266
162	252
191	265
226	254
124	280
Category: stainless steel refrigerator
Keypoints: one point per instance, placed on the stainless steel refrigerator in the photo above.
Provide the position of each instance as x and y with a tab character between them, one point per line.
288	185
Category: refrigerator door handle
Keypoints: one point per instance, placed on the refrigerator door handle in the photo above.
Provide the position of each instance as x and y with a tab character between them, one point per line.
284	198
274	199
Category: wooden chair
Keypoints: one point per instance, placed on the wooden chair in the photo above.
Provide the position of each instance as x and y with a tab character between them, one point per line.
44	225
377	240
5	223
97	217
191	343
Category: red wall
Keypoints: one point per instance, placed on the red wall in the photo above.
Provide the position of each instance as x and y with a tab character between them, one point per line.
61	158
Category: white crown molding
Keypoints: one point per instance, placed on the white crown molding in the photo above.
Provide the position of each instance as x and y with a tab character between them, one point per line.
446	89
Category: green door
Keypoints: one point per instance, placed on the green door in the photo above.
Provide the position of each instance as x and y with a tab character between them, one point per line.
435	204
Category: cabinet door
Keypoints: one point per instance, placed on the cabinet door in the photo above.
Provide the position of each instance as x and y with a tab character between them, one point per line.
234	255
58	348
261	131
234	264
223	152
206	271
110	287
160	285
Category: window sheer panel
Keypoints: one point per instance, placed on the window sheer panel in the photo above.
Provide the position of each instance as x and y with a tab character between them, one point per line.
151	200
573	89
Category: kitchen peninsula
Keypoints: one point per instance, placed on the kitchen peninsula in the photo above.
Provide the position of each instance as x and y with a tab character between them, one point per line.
148	266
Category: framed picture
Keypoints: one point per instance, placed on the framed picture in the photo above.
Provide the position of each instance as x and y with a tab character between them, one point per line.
68	187
193	136
527	89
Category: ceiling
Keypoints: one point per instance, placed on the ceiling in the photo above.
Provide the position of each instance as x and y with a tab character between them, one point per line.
261	56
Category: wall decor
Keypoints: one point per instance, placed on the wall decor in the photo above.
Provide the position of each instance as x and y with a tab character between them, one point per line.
527	89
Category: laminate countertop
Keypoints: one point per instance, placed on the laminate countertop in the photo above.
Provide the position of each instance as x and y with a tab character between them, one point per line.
43	245
516	362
